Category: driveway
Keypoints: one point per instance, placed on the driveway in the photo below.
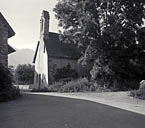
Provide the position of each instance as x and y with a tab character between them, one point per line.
39	111
120	100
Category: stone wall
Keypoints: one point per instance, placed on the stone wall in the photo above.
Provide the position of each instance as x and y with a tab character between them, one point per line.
3	44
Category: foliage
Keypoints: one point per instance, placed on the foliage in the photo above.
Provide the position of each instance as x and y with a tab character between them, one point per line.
55	87
5	77
12	70
65	72
140	93
24	74
101	68
110	34
7	90
78	85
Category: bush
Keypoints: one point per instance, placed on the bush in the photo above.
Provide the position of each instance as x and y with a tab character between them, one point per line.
55	87
79	85
140	93
7	90
125	85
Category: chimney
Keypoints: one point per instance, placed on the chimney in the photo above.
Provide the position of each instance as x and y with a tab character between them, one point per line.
44	24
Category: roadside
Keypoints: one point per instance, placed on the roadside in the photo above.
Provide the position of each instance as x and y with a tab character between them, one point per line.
42	111
120	100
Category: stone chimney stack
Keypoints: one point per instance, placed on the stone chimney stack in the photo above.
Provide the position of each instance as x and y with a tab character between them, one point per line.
44	25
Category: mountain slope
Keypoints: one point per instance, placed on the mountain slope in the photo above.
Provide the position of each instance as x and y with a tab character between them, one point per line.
21	56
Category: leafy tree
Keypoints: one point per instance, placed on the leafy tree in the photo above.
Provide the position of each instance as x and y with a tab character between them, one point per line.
110	34
12	71
24	74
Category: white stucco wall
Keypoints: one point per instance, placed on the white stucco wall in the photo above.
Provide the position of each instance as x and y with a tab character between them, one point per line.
41	63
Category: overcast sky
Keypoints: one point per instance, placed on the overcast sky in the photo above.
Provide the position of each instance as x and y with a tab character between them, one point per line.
24	18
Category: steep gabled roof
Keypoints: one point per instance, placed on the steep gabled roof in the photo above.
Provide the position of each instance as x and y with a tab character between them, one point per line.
10	30
57	48
10	49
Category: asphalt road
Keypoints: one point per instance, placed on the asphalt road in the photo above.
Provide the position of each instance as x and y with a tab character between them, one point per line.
36	111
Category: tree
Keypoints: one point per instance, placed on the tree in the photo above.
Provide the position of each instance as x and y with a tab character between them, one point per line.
109	33
24	74
12	71
7	90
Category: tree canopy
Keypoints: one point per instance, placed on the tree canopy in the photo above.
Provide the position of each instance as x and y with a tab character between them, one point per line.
110	34
24	74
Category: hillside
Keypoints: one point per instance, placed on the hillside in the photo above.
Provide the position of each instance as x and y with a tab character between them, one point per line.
21	56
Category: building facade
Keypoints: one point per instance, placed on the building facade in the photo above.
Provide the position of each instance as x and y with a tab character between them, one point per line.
5	33
51	54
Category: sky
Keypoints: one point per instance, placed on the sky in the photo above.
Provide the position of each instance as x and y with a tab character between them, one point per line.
24	17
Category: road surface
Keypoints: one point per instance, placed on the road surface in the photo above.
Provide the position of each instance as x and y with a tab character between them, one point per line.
37	111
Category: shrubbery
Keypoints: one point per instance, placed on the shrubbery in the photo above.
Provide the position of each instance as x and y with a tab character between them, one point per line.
7	90
140	93
79	85
56	87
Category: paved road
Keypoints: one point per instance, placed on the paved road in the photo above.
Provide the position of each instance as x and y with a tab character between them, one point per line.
36	111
